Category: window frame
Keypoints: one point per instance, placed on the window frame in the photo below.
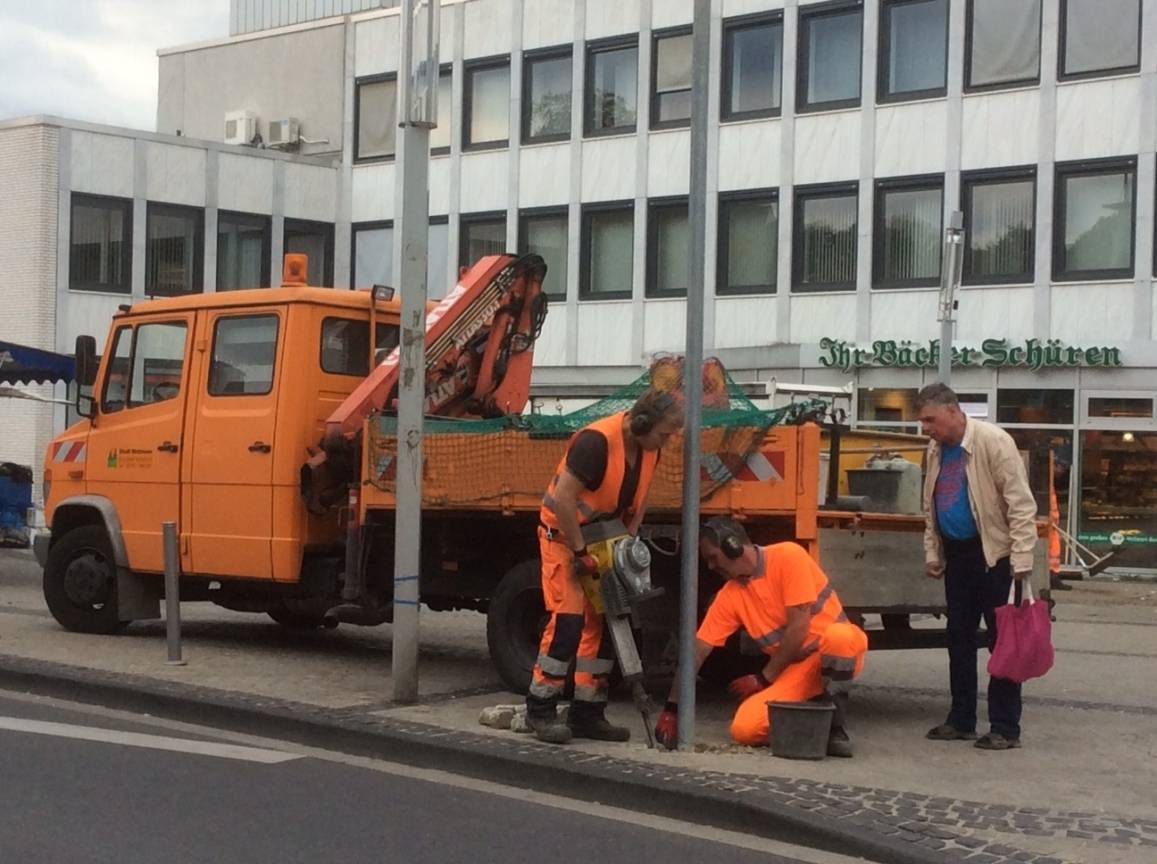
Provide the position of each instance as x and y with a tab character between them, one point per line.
325	321
529	59
1016	84
994	176
880	190
447	70
883	58
185	323
655	124
250	219
355	227
733	25
801	194
1062	33
1090	167
807	14
526	215
358	83
651	289
479	218
213	353
303	226
198	276
469	69
722	236
589	210
603	46
125	205
110	354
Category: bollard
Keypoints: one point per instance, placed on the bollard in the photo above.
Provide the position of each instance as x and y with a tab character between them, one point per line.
172	595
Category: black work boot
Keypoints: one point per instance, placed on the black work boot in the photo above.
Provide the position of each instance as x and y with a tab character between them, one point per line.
839	744
588	720
543	720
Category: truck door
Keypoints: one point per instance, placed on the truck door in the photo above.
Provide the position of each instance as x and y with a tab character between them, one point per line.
135	443
234	429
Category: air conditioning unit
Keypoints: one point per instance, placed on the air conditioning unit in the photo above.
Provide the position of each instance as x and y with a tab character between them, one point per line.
284	133
240	127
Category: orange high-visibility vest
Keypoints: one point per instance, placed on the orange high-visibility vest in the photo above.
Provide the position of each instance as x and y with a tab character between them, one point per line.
595	505
1054	521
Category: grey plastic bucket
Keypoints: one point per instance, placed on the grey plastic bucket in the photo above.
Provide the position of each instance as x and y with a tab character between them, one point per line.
799	730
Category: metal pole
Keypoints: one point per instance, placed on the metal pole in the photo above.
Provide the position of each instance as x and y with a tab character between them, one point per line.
412	243
692	371
949	281
172	595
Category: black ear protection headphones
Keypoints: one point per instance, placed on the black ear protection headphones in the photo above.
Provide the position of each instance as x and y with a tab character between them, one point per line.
727	538
646	418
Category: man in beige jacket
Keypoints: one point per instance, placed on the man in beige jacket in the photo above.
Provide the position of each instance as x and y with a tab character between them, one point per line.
979	534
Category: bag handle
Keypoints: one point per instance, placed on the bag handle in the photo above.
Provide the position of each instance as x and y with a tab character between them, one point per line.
1027	582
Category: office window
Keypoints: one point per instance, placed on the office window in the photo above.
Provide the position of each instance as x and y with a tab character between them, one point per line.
1002	43
612	77
546	97
668	248
1099	37
1093	225
480	234
244	356
748	243
438	279
1034	406
242	251
174	250
486	112
100	244
913	49
824	246
373	254
608	252
671	80
376	117
440	134
315	240
999	219
544	232
829	57
907	232
752	72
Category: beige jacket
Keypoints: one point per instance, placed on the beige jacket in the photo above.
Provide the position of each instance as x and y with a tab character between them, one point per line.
998	492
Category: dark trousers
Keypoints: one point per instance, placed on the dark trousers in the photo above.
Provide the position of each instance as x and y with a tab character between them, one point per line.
973	590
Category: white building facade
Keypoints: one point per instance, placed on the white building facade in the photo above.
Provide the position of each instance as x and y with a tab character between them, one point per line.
841	136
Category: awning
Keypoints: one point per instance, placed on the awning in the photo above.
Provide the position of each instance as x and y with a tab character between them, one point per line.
20	364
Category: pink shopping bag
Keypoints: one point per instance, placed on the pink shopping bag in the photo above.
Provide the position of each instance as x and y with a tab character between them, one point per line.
1024	642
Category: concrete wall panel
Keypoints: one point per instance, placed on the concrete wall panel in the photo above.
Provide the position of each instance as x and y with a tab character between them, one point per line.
604	331
544	175
827	147
1098	118
608	169
484	181
1092	314
244	183
749	155
814	317
102	164
612	18
669	164
742	322
310	192
488	28
664	326
546	23
373	195
911	139
175	174
1000	129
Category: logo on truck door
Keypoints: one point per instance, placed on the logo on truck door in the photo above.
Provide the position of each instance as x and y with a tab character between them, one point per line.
129	458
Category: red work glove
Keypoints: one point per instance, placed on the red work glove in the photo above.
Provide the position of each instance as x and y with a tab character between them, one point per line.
667	729
585	565
748	685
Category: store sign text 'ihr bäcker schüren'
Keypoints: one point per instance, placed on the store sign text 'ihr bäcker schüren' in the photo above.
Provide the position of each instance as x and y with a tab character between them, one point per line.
1035	354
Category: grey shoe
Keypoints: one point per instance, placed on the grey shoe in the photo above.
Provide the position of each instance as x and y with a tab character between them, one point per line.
996	741
839	744
550	730
948	732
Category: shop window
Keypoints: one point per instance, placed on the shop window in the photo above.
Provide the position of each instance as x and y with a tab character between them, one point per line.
907	233
886	405
671	80
668	248
1048	459
974	404
829	57
999	227
608	252
1002	43
1117	406
545	233
1035	406
1099	37
480	234
315	240
748	243
373	254
174	250
913	49
825	236
486	108
376	117
546	97
1119	496
100	244
612	88
343	345
244	355
438	279
1094	221
752	75
242	251
440	135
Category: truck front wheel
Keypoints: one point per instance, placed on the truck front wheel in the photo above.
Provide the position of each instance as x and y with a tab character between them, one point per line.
514	624
80	582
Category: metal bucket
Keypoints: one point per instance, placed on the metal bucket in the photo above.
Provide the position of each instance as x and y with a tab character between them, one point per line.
799	730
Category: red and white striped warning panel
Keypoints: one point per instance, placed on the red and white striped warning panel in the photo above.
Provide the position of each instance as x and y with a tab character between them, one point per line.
761	466
68	451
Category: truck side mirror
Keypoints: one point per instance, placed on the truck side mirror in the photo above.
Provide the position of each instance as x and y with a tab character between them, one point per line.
86	365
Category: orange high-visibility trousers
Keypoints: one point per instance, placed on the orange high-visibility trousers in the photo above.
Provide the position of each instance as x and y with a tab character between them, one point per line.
830	670
573	633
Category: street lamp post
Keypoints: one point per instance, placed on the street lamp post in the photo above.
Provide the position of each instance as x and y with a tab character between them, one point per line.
949	282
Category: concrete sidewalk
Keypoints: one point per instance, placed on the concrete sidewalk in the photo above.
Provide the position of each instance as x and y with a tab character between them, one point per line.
1081	790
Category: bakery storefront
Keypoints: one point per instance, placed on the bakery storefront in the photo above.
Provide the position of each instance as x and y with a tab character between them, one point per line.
1079	413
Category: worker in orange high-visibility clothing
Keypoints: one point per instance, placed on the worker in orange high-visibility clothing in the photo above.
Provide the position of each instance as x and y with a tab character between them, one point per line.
782	598
605	474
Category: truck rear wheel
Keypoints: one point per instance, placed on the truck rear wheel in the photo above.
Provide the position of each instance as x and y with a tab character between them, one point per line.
514	624
80	582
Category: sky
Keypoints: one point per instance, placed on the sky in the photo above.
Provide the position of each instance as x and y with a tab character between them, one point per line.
95	60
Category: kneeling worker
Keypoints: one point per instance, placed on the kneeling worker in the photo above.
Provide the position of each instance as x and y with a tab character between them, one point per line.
782	598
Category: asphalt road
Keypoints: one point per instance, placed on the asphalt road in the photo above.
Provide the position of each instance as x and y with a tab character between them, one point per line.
86	785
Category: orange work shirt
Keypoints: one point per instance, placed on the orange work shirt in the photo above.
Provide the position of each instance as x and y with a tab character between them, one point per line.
785	576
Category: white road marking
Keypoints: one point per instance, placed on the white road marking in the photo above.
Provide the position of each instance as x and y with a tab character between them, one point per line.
151	742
